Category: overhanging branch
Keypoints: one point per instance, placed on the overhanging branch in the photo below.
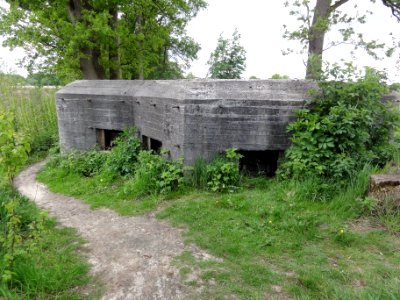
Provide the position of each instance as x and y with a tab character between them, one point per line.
394	5
337	4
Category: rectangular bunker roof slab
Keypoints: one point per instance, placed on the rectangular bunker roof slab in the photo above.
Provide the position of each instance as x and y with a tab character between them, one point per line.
194	90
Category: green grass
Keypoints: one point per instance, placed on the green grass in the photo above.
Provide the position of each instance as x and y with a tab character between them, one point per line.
97	192
300	239
276	236
54	268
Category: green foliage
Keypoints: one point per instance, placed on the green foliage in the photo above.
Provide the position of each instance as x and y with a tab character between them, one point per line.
41	79
395	87
197	174
34	113
124	154
156	175
223	173
20	237
228	60
37	260
102	39
345	127
87	164
91	163
190	76
14	147
279	76
120	161
16	79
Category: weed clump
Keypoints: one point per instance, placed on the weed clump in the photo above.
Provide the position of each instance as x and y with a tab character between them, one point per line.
223	173
124	154
86	164
156	175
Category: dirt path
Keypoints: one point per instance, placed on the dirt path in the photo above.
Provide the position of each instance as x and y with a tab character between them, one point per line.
131	255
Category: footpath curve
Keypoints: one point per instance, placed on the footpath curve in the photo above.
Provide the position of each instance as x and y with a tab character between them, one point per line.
131	255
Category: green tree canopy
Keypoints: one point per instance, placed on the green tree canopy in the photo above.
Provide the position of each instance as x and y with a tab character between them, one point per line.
228	60
43	79
103	39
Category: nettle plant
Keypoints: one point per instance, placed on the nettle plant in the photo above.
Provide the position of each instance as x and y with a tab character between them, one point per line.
345	127
154	174
223	173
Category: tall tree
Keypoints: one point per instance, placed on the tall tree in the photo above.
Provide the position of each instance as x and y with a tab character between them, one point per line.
317	21
228	60
102	39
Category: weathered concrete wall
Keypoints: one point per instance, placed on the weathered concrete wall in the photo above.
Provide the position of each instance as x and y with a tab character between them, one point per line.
198	118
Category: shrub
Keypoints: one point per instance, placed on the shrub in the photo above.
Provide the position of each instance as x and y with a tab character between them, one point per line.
87	164
223	173
14	147
43	142
90	163
123	156
20	225
345	127
120	160
155	174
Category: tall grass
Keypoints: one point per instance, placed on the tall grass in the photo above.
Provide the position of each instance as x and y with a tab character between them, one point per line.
45	263
34	112
197	177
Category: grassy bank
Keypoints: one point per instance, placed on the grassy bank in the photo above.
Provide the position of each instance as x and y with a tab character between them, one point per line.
47	261
38	260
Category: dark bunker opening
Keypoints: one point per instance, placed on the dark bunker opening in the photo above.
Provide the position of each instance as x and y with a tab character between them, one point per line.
149	143
105	138
257	163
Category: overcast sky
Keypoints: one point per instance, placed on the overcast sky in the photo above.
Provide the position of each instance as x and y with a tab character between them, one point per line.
260	23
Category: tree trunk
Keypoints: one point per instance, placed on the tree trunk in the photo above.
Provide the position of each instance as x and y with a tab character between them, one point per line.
115	63
89	61
90	66
316	38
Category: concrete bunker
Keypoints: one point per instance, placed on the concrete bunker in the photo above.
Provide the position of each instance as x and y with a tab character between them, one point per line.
190	118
